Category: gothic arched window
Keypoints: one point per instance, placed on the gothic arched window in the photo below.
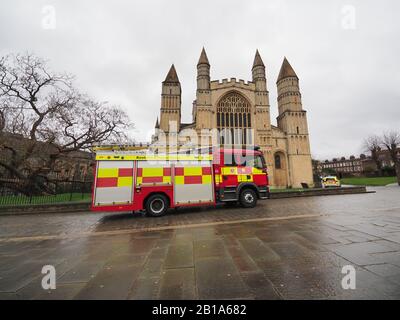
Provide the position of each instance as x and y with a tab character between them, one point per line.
235	110
278	164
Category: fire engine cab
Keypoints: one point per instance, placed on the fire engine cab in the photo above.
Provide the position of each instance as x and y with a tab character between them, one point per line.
126	180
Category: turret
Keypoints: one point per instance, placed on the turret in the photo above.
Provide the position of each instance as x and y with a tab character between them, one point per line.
170	101
292	120
203	72
289	97
203	111
258	73
262	120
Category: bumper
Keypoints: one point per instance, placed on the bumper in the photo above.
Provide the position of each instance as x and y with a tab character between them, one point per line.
264	193
331	185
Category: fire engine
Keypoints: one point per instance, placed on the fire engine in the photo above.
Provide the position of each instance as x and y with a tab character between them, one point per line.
126	180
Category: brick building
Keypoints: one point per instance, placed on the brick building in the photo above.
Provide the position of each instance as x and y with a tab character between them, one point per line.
343	166
363	165
76	165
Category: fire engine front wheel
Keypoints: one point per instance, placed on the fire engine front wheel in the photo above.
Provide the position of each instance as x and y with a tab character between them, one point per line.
248	198
156	205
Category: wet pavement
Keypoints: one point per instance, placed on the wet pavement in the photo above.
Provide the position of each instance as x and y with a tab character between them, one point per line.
282	249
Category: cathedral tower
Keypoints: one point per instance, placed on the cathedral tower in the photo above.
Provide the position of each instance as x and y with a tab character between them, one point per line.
239	111
170	102
292	120
203	94
261	99
262	130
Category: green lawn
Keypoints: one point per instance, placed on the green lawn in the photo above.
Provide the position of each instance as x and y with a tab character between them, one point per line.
59	198
360	181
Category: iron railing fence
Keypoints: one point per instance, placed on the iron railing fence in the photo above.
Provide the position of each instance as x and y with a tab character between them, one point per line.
57	191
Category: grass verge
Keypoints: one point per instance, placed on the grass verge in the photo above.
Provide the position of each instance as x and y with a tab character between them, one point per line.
375	181
49	199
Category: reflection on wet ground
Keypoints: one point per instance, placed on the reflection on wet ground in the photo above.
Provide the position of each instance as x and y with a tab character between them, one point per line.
282	249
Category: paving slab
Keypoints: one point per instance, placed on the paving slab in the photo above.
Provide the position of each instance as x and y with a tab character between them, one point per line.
179	256
209	248
258	250
217	278
145	288
261	288
178	284
110	283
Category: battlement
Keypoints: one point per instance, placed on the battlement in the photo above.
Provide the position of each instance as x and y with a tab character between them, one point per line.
232	82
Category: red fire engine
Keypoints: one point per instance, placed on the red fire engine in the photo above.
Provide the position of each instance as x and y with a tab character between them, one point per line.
128	181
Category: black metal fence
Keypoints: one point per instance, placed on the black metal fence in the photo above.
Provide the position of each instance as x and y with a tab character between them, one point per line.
56	192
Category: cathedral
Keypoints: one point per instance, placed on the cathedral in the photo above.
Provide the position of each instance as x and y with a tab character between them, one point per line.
241	111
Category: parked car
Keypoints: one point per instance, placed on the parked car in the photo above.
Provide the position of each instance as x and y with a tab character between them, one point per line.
330	181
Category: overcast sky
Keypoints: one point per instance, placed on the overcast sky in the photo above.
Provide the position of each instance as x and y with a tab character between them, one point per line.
346	54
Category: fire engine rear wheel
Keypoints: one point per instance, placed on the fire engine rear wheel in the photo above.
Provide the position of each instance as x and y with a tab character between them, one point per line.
156	205
248	198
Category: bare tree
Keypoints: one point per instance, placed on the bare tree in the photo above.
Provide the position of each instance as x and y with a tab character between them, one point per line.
51	118
391	141
373	144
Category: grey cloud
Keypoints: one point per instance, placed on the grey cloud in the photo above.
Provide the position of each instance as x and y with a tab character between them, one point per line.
120	51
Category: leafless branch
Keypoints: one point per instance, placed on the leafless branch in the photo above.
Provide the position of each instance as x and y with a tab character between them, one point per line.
50	116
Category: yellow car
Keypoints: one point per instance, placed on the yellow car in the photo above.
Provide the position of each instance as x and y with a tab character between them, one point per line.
330	181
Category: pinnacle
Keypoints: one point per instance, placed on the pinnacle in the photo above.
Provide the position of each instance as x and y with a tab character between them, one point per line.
172	75
286	70
203	57
257	60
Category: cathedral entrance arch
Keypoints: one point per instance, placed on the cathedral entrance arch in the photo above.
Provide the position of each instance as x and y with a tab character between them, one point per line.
280	169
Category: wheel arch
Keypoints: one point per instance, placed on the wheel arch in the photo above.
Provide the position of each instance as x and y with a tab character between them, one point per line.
248	185
154	193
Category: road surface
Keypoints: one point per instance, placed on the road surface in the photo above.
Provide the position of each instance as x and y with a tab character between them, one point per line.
283	249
